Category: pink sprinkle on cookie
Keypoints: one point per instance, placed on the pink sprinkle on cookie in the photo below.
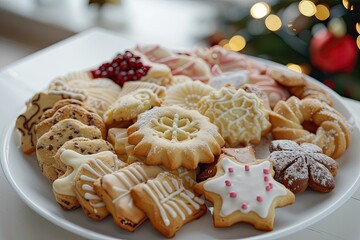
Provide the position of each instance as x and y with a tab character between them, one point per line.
247	168
233	194
227	183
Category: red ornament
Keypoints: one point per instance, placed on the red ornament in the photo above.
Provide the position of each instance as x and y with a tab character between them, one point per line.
333	54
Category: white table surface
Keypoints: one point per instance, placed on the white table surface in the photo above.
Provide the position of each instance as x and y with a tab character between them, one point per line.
18	221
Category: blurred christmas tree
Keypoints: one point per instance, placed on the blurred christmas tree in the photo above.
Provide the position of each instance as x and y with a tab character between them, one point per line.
319	38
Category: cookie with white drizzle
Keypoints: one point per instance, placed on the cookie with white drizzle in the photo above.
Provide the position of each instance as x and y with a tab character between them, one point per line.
114	190
167	203
64	186
244	193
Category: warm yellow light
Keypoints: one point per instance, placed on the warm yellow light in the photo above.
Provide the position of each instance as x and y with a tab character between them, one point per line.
294	67
227	47
358	42
358	27
237	43
322	12
223	42
259	10
348	5
273	22
307	8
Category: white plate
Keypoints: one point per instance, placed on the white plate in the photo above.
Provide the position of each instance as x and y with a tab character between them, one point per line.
24	176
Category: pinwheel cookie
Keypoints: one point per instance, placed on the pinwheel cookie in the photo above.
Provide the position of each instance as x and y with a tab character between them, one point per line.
174	137
240	116
244	193
167	203
128	107
65	191
187	95
35	107
301	166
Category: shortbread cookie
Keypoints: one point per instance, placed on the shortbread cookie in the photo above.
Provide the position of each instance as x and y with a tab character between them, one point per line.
64	186
128	107
133	66
310	90
92	205
59	104
167	203
36	106
187	95
134	85
260	94
71	111
114	189
331	132
242	155
286	78
83	146
174	137
179	79
244	193
235	79
100	93
180	64
49	143
240	116
301	166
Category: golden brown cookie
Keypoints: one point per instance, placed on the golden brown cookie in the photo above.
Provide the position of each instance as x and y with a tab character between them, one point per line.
244	193
83	146
174	137
310	90
286	78
240	116
301	166
71	111
114	189
167	203
36	106
49	143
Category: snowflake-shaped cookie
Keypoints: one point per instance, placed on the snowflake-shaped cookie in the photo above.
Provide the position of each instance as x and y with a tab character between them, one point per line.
240	116
244	193
299	166
174	137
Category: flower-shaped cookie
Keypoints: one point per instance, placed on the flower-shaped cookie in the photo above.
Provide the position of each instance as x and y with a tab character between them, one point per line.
187	95
244	193
174	137
301	166
240	116
128	107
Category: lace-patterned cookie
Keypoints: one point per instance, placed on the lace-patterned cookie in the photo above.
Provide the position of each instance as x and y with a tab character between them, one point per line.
64	186
71	111
180	64
100	93
301	166
128	107
244	193
167	203
187	95
49	143
134	85
174	137
240	116
179	79
35	107
114	189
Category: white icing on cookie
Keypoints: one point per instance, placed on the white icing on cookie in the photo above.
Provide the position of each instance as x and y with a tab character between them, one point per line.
236	79
245	188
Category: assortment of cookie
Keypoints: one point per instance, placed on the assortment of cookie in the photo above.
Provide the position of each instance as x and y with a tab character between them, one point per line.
162	135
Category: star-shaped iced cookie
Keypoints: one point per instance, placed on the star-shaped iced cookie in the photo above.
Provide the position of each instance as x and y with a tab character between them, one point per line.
244	193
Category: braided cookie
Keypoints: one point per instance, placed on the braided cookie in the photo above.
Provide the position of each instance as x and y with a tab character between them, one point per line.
310	90
175	137
240	116
331	129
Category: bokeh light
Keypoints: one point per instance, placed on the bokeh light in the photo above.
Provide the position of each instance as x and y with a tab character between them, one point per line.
358	27
348	5
358	42
237	43
294	67
307	8
223	42
337	26
322	12
259	10
273	22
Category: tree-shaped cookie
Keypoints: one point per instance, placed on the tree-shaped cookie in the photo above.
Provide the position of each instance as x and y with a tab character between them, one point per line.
244	193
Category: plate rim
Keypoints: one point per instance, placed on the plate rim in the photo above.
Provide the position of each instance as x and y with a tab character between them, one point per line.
65	224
